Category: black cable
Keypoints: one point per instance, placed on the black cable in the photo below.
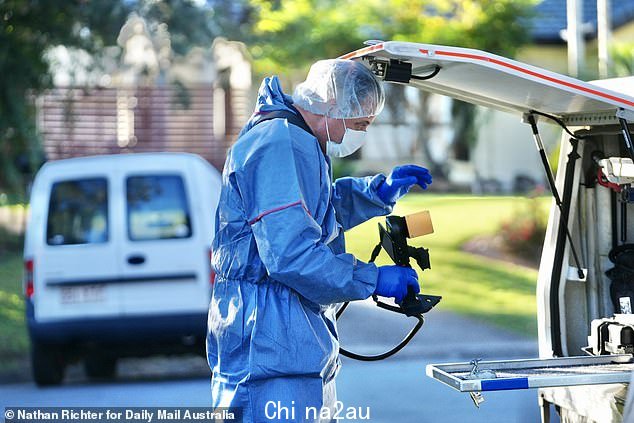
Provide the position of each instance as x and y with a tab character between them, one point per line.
430	76
389	353
342	309
385	306
623	221
559	122
626	136
615	238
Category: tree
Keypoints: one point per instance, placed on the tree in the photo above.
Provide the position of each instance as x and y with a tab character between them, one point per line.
622	59
28	29
288	35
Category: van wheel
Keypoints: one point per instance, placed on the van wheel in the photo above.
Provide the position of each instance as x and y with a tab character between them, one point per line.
100	367
47	364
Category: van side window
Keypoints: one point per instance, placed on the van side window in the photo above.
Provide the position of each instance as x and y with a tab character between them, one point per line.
157	208
78	212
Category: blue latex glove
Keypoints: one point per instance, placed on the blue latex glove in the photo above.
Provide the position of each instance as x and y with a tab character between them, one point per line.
394	281
401	180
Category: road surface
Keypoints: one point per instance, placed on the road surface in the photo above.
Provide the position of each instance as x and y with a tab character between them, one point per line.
394	390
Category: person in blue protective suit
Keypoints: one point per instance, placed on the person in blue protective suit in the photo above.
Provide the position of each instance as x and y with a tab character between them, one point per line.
278	253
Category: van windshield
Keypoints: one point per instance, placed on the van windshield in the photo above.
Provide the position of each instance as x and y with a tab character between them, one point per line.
78	212
157	208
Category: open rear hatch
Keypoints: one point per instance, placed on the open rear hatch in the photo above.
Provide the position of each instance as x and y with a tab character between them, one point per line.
494	81
503	84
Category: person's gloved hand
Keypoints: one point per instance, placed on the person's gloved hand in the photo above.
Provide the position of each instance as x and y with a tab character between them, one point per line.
394	281
401	180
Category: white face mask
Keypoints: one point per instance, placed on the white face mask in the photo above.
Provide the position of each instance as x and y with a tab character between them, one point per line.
352	140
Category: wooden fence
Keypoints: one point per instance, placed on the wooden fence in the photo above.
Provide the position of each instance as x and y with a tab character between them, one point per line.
202	119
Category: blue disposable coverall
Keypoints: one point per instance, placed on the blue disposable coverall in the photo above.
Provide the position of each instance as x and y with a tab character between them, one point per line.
281	267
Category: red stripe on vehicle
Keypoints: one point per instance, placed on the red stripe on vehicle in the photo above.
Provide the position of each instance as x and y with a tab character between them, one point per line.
532	73
362	51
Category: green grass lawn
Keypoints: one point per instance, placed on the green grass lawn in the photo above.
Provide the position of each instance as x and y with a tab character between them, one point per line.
12	324
491	290
14	342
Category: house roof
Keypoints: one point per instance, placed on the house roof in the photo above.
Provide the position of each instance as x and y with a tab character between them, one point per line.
550	18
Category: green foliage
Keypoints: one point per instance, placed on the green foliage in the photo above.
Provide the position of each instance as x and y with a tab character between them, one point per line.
342	167
622	59
284	37
466	130
29	28
291	34
523	233
13	334
9	242
553	158
188	23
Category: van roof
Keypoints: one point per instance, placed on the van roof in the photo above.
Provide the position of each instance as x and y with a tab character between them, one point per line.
123	159
494	81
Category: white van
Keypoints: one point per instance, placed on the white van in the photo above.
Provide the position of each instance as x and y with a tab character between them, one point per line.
585	287
117	259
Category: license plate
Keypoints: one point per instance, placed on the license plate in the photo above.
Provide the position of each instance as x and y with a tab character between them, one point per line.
83	294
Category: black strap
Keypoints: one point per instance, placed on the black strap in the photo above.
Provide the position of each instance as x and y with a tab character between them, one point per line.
292	118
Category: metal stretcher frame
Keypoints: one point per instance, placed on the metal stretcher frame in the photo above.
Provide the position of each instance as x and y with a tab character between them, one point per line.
535	373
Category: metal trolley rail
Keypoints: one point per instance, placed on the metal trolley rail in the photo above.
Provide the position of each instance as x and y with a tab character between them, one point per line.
480	376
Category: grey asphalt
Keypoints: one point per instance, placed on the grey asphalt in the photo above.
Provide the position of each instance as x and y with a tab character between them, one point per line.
393	390
398	390
445	335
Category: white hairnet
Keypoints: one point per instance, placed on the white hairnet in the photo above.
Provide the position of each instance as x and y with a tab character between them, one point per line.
340	88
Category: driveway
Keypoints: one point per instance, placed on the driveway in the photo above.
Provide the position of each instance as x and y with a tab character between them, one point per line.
394	390
398	390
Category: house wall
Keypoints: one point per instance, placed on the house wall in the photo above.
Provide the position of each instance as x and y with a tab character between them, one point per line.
78	122
506	151
389	144
551	57
555	57
149	101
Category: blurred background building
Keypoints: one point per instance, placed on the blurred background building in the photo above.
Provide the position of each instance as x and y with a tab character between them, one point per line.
148	99
141	96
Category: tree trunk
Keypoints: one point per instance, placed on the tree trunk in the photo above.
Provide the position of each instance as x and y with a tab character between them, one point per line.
422	154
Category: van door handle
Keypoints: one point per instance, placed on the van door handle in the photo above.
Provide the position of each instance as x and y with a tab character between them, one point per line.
137	259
